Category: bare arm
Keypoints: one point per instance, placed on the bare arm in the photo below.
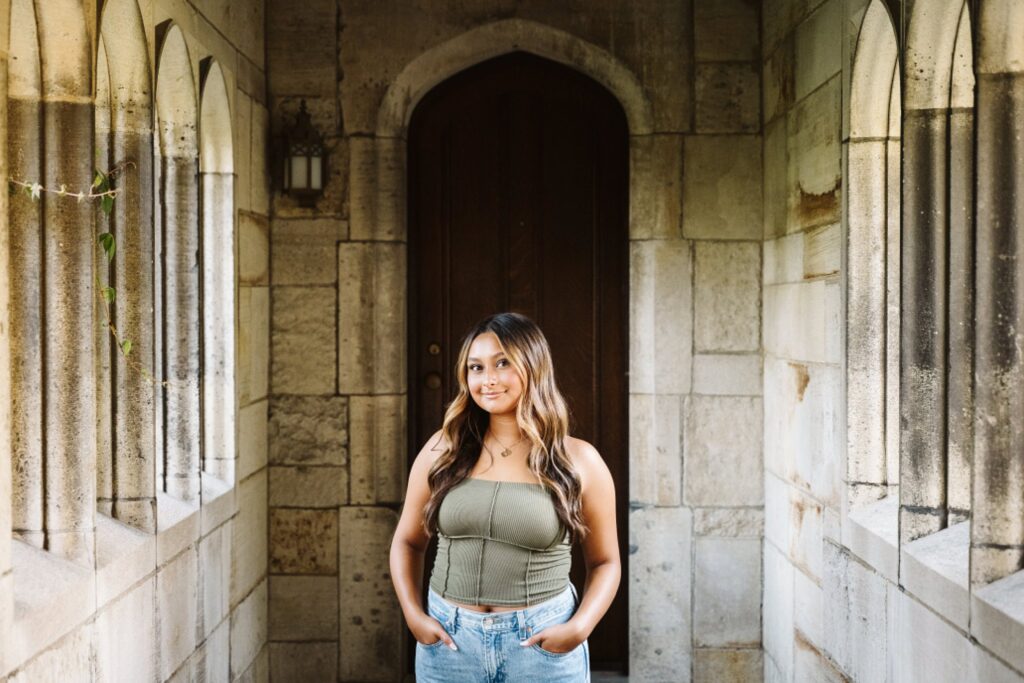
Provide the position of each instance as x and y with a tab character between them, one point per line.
409	545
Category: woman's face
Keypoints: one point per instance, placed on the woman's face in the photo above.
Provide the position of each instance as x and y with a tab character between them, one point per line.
493	382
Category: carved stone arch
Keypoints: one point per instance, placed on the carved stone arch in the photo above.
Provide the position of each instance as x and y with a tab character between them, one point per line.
932	35
176	107
216	147
123	37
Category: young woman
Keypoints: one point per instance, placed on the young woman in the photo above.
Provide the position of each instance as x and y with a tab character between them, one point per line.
508	492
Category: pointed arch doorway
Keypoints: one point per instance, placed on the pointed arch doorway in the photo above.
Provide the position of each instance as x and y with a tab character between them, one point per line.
518	200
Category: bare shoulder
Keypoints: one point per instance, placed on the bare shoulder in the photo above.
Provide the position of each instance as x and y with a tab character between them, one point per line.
587	460
432	450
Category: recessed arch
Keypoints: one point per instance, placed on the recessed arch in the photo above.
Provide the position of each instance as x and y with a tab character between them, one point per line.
24	71
875	77
931	40
123	39
215	155
176	97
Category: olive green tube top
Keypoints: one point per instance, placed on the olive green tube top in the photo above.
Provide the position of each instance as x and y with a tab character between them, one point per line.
500	543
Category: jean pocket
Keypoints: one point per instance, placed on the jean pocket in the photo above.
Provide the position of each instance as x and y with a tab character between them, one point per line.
556	655
430	646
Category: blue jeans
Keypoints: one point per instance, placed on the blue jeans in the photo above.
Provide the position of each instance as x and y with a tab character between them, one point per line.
489	649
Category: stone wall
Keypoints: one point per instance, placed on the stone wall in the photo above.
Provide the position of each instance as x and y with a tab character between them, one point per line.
187	600
844	597
688	77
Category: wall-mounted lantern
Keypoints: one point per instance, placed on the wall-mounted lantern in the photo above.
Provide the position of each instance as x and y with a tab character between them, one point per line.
304	160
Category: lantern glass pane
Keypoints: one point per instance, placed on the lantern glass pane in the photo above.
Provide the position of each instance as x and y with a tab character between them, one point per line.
300	179
315	173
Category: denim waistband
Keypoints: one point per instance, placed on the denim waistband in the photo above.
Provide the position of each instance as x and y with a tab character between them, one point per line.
455	616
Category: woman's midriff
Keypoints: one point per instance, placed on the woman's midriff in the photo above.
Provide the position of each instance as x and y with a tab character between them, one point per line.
485	609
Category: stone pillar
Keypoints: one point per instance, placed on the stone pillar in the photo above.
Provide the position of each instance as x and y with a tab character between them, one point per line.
181	322
219	324
69	408
997	525
24	163
923	353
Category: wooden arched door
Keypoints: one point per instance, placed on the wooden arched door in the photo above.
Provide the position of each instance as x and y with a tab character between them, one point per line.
518	200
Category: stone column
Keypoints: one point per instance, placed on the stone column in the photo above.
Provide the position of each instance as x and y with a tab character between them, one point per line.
69	408
219	324
923	353
997	529
23	147
181	323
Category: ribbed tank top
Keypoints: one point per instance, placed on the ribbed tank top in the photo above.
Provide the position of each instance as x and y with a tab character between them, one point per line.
500	543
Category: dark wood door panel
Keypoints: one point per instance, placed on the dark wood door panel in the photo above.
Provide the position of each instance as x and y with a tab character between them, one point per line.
518	193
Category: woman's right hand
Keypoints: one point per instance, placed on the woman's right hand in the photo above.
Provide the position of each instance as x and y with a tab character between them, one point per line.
427	631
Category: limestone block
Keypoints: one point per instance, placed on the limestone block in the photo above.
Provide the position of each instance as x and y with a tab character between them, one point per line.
727	374
124	644
772	672
778	611
805	536
835	336
822	251
778	82
795	321
124	555
211	662
253	343
303	607
215	577
242	134
309	487
179	525
309	430
656	186
722	187
722	464
997	617
777	525
377	467
810	665
377	192
855	611
301	662
776	178
371	317
659	593
177	606
727	592
871	533
371	626
729	522
305	251
661	318
303	541
259	170
302	340
655	445
727	666
727	296
252	438
68	660
253	249
802	426
249	537
728	97
776	23
807	611
249	629
302	48
726	31
259	670
818	57
784	259
813	149
934	569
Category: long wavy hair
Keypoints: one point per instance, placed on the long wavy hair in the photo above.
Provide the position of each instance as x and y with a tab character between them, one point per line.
541	414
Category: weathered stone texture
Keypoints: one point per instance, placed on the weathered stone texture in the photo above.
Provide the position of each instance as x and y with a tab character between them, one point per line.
309	430
727	374
656	192
723	451
249	632
818	56
813	150
727	592
177	609
214	578
253	343
370	618
727	666
729	522
659	593
309	487
302	340
655	444
856	616
722	187
253	249
302	662
305	251
252	439
778	611
377	466
728	98
727	304
303	607
303	541
249	537
302	48
127	625
726	30
776	178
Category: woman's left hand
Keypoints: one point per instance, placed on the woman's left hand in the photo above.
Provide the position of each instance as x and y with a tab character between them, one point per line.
557	639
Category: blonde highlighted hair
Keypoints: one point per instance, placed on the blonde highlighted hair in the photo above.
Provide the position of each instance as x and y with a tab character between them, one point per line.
542	416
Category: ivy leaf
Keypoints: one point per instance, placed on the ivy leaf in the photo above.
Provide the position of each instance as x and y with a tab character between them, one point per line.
108	294
98	179
126	346
109	245
107	204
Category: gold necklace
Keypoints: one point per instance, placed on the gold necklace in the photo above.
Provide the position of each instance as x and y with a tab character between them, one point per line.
508	449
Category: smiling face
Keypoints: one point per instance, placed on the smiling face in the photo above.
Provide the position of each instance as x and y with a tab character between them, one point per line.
493	382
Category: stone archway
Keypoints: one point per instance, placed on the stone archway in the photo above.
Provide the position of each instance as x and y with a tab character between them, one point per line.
372	365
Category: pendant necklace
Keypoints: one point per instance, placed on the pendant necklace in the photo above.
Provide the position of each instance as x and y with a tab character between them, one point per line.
508	449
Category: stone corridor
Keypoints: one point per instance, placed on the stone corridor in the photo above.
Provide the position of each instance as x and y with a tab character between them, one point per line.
824	441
